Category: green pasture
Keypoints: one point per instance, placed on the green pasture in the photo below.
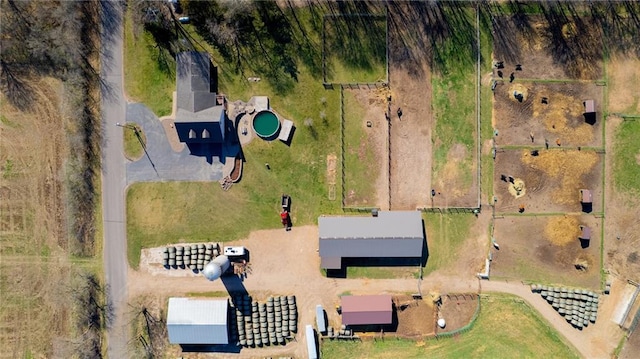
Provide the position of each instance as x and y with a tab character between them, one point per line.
626	157
506	328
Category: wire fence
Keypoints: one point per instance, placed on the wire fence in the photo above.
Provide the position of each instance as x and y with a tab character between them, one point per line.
464	329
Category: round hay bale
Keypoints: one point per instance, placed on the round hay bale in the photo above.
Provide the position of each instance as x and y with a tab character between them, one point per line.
180	249
165	255
171	249
172	262
543	293
281	340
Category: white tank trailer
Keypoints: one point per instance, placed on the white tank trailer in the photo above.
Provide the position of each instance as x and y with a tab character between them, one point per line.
214	269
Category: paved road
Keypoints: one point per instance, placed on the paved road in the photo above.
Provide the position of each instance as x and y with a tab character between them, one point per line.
162	163
113	181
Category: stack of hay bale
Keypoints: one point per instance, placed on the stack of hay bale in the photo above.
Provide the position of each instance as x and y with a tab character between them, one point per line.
270	323
194	257
579	307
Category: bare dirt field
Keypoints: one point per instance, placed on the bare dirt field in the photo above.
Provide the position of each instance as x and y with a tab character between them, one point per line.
548	51
631	347
457	310
560	119
552	180
410	140
546	249
410	83
416	318
624	88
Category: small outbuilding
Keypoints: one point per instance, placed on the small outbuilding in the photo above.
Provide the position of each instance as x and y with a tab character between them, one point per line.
197	321
585	233
589	112
586	200
367	310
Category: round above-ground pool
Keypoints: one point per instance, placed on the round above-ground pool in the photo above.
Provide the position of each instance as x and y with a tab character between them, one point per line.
266	124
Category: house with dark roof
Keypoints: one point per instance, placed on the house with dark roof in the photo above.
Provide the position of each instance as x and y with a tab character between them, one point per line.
388	234
367	309
200	116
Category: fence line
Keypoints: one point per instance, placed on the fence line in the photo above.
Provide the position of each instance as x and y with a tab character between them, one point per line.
467	327
474	210
342	162
478	105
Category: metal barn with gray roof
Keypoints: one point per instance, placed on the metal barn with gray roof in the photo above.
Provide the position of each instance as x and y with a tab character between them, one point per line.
392	234
197	321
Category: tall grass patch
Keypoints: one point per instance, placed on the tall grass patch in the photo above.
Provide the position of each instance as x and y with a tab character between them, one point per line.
627	157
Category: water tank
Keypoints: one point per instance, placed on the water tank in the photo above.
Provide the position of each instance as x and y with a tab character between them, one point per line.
214	269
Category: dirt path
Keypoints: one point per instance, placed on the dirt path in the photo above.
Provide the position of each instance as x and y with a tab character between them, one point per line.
285	263
410	179
596	341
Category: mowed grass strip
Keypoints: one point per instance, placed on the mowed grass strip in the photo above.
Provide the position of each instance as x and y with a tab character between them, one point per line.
505	328
627	157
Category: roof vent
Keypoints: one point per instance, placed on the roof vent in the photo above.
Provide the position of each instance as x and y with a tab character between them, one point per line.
374	212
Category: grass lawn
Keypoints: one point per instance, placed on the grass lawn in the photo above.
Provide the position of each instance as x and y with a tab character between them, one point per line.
133	148
165	213
355	49
505	328
627	157
149	71
361	164
445	234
